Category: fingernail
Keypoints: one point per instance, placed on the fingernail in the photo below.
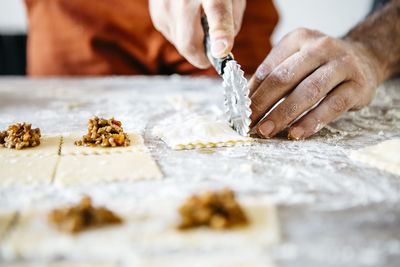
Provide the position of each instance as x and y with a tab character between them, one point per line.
266	128
219	46
296	133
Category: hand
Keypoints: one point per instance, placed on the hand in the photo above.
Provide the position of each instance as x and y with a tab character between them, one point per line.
305	66
179	21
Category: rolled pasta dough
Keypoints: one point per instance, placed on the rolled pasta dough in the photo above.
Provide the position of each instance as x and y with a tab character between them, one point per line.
385	155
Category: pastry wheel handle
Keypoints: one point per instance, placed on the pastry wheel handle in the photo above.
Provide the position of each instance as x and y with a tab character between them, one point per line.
218	63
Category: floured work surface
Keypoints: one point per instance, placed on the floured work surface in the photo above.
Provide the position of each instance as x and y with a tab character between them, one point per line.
147	227
30	166
312	175
385	155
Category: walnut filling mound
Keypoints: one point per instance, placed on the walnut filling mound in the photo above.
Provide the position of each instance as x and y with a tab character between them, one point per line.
82	217
20	135
218	210
104	133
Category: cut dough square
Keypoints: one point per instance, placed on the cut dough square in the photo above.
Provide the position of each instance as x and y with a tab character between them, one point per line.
49	146
263	231
6	219
150	227
230	258
30	170
89	169
34	239
385	155
69	148
199	132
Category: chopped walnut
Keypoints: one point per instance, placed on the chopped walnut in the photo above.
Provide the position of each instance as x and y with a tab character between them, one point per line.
20	135
82	217
215	210
105	133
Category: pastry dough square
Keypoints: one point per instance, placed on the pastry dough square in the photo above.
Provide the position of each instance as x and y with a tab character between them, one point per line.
35	239
89	169
263	230
385	156
199	132
69	148
230	258
149	227
49	146
30	170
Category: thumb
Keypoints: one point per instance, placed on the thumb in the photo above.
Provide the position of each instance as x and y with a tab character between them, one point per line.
220	20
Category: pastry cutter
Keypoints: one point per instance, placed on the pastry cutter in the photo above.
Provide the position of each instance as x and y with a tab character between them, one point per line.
236	91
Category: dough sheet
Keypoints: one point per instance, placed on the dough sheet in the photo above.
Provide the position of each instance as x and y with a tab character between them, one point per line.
90	169
263	230
199	132
148	227
385	156
29	170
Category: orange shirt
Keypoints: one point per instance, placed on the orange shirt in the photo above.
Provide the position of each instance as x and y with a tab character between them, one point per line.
105	37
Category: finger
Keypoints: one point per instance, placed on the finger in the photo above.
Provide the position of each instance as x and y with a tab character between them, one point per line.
238	8
286	47
335	104
220	20
281	80
305	96
189	35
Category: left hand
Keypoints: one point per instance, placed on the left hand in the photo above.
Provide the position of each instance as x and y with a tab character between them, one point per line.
307	65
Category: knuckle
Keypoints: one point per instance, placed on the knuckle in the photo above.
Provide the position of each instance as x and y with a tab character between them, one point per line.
312	89
349	60
262	71
301	33
288	110
326	42
218	6
338	104
281	77
257	104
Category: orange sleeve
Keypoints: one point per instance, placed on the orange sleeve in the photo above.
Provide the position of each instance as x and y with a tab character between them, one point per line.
116	37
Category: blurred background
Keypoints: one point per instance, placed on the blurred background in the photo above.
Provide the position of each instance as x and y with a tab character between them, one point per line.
334	17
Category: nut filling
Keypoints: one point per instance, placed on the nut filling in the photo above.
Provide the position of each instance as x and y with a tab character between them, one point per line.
82	217
215	210
20	135
104	133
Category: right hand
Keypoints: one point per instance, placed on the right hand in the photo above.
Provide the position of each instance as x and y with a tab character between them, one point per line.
180	22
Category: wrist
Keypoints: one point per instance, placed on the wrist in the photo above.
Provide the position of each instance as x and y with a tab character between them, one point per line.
366	52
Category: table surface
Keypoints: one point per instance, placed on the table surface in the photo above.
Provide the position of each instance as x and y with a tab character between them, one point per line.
331	208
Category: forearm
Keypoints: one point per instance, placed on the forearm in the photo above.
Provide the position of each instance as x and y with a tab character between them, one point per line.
380	35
